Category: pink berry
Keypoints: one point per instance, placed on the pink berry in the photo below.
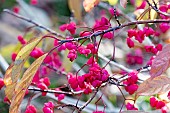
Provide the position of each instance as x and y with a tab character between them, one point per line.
168	95
36	53
153	102
148	48
104	78
36	77
140	36
6	100
31	109
47	110
148	31
13	56
34	2
46	81
164	27
131	88
43	87
130	43
20	38
49	104
160	104
163	8
48	107
63	27
27	91
111	11
48	59
131	33
16	9
130	106
159	47
108	35
132	78
96	83
1	83
72	55
88	90
71	28
73	82
104	21
61	97
154	50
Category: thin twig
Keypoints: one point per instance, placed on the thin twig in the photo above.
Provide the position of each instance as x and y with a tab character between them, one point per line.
90	99
58	71
33	22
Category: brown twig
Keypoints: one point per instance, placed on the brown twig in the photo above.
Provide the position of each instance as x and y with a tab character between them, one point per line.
33	22
90	99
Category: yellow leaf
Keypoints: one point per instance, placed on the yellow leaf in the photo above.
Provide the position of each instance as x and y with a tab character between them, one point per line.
89	4
23	84
153	14
13	72
22	56
75	7
26	64
112	2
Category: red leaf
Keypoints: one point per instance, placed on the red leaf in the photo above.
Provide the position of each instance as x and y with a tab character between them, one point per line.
152	86
123	3
161	62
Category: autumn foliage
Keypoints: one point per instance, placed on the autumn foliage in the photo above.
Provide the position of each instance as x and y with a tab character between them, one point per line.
144	34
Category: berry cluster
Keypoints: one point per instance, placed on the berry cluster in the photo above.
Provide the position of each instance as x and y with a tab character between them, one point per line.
71	27
130	83
94	78
101	24
74	49
139	35
155	103
48	107
153	49
43	84
136	58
